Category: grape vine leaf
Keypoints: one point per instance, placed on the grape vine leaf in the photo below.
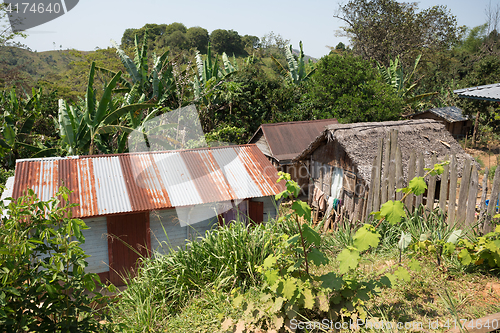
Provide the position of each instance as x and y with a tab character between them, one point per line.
393	211
418	185
269	261
414	265
331	281
402	274
317	257
289	288
465	257
271	276
308	298
348	259
448	248
365	237
302	209
310	235
278	302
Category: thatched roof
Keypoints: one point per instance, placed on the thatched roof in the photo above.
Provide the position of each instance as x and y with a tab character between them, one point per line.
360	142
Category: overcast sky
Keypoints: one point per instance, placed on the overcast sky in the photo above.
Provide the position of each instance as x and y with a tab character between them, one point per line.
94	23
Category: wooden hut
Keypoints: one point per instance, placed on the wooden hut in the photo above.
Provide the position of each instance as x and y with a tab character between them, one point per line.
340	159
451	116
282	142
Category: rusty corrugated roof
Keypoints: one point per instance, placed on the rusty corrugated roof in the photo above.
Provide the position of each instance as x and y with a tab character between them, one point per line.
287	140
110	184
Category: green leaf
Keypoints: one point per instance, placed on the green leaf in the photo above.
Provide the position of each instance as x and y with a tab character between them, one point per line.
348	260
331	281
414	265
465	257
448	249
309	299
51	290
418	185
269	262
402	274
310	235
317	257
393	211
278	303
271	276
302	209
237	301
365	238
289	288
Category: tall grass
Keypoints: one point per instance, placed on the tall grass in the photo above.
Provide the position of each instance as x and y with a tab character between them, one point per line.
224	259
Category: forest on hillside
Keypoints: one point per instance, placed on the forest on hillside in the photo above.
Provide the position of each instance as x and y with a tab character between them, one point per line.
403	60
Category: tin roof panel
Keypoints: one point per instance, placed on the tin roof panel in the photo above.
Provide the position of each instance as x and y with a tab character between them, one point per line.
110	184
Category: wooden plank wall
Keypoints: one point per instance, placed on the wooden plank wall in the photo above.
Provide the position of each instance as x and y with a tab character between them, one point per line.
462	210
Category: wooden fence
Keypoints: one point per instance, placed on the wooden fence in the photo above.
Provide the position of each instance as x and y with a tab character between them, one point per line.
457	199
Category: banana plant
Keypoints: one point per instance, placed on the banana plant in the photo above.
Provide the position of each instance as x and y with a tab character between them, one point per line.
297	69
156	85
16	127
90	123
402	84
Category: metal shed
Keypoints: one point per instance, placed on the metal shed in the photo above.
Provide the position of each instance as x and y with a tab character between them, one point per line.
140	196
282	142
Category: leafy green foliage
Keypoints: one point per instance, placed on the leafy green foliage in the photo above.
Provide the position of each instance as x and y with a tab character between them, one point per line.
43	283
350	89
385	29
292	285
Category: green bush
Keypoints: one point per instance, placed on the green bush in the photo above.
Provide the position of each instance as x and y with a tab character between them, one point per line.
224	259
43	284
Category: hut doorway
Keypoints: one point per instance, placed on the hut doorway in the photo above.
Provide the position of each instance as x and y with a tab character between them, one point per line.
128	240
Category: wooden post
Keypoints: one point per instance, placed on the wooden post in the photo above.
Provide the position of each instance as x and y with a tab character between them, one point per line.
471	199
464	191
443	191
452	203
495	189
369	200
431	190
365	214
399	173
376	182
411	173
420	173
482	203
387	161
391	191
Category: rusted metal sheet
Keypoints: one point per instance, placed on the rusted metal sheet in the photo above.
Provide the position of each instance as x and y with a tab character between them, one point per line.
121	183
287	140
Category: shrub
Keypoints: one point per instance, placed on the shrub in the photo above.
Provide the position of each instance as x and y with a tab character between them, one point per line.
43	284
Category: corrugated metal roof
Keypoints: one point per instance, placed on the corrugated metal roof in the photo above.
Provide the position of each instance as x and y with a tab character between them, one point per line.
110	184
490	92
287	140
451	114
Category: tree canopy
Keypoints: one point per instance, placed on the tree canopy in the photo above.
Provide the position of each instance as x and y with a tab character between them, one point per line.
350	89
384	29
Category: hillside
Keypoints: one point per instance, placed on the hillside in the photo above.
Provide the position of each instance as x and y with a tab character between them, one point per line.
33	66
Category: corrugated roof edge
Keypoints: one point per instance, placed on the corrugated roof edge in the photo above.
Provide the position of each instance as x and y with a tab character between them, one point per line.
486	86
122	154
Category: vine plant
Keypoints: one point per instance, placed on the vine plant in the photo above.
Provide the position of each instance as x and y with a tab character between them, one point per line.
298	280
483	250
